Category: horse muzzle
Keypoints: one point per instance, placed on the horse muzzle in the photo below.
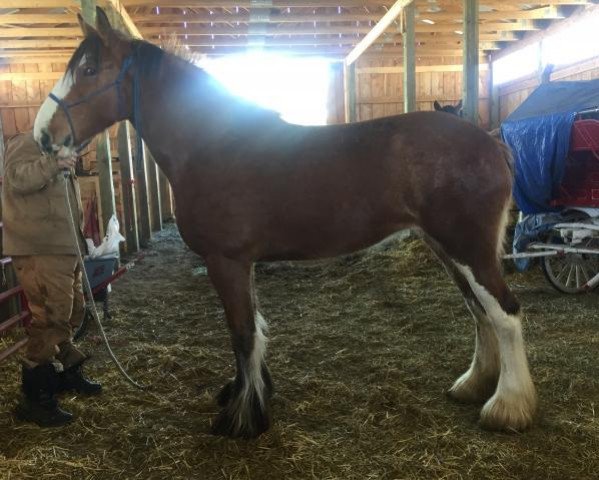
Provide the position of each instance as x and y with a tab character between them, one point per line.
49	145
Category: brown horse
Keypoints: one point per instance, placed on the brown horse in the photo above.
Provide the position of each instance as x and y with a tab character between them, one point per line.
251	187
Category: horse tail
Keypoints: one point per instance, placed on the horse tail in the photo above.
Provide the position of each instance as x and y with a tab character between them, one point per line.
506	152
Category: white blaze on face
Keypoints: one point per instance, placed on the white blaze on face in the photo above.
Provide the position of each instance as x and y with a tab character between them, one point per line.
48	108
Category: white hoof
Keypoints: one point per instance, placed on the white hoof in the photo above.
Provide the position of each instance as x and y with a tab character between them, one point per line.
509	413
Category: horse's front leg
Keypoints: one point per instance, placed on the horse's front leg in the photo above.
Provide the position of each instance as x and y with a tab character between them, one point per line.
245	400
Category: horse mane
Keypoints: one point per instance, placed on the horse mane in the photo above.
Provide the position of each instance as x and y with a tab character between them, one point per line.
174	46
149	58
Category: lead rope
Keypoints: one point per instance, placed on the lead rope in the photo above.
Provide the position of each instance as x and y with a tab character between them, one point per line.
90	297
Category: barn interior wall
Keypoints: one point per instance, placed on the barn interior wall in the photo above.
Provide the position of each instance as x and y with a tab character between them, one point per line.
512	94
379	86
23	87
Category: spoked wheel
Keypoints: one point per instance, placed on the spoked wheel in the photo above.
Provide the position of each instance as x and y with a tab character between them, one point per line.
568	273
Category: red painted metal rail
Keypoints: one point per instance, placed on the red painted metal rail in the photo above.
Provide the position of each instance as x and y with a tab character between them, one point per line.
21	318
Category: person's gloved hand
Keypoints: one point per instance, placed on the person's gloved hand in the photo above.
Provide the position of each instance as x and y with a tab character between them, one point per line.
66	162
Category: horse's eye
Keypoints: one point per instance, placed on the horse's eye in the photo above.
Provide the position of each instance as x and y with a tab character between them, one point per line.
89	71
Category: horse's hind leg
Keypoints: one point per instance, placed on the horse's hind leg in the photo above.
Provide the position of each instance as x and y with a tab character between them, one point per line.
245	400
479	382
513	405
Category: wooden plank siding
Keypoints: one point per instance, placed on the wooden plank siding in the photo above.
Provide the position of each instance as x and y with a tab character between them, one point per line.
20	100
380	87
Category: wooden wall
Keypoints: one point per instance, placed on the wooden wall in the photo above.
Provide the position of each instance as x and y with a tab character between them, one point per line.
379	87
512	94
20	99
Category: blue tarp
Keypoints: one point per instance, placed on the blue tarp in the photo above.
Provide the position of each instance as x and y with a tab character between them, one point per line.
538	132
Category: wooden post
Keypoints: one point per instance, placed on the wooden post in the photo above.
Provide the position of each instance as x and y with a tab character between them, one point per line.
470	80
494	106
127	179
153	193
141	181
166	197
349	90
409	60
88	11
383	24
104	162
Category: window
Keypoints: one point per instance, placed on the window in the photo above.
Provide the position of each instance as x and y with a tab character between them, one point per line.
295	87
517	64
574	44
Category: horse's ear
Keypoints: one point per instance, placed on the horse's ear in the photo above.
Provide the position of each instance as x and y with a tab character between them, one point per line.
103	25
459	105
86	28
437	106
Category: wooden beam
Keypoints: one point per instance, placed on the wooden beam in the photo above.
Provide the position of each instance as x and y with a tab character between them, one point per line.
349	89
12	76
419	69
377	31
128	184
141	181
282	37
34	60
252	3
88	12
377	51
38	19
130	26
395	99
471	52
39	44
245	31
40	4
511	26
41	32
244	17
535	37
409	60
548	12
166	197
47	56
104	163
154	193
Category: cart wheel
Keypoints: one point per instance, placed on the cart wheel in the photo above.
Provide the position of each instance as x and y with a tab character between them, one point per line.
569	272
88	319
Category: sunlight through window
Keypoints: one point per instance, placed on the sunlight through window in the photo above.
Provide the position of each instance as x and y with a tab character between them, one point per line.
297	88
574	44
515	65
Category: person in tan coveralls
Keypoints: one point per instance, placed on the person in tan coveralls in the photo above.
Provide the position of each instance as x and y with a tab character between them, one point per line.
38	236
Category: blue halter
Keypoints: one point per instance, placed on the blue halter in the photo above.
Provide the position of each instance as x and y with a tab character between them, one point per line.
127	63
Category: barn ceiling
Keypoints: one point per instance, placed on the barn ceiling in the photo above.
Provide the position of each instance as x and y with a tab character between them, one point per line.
48	28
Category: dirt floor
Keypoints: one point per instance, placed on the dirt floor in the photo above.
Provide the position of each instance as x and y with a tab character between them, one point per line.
362	351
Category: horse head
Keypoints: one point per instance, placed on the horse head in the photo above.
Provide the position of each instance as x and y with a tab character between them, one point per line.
94	92
453	109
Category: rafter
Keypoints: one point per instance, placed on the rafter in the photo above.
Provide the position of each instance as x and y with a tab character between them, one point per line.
550	12
377	30
75	32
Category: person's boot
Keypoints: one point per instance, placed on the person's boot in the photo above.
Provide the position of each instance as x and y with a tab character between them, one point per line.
38	403
73	380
